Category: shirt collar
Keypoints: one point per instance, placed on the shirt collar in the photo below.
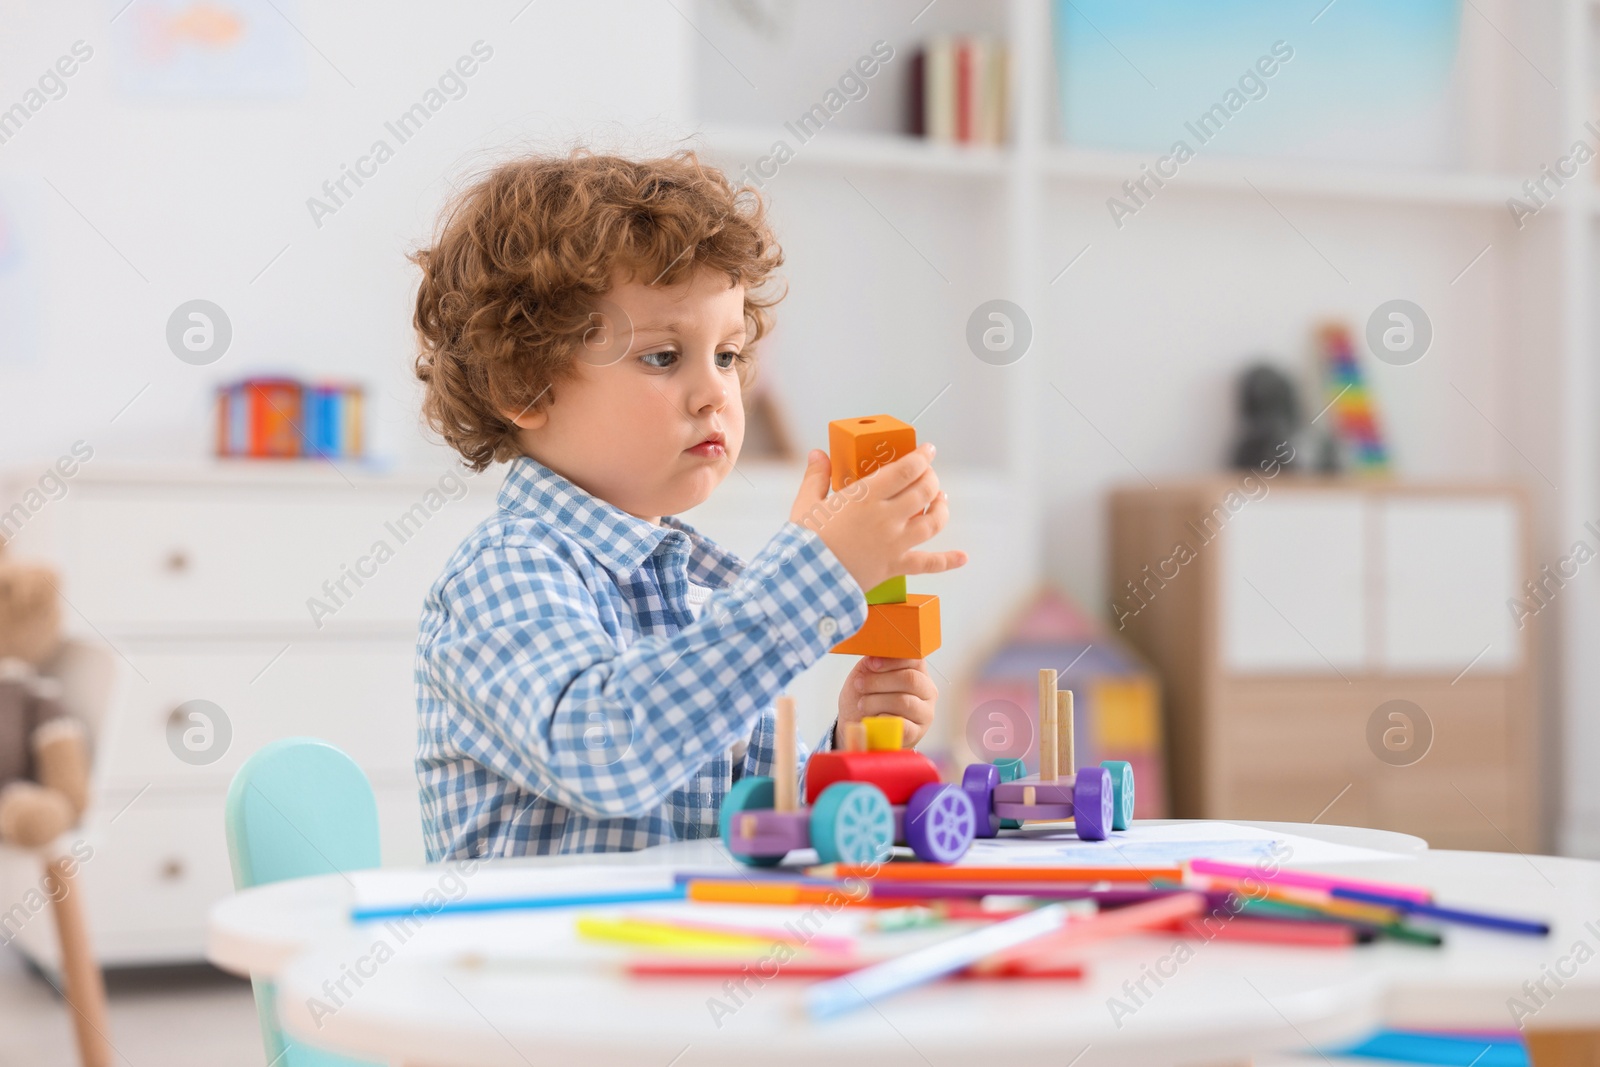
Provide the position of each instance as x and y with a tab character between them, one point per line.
619	541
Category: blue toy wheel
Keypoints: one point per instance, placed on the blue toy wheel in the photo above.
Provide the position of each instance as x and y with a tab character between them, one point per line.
1121	772
1092	803
939	823
979	781
1011	768
851	822
754	793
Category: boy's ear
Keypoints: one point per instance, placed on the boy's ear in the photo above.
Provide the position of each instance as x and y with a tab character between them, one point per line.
530	418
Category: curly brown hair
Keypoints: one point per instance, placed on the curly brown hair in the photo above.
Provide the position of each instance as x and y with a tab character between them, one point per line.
522	255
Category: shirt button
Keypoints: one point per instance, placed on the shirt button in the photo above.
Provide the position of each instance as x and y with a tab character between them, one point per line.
827	626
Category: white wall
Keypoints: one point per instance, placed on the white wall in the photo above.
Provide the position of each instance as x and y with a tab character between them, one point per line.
200	196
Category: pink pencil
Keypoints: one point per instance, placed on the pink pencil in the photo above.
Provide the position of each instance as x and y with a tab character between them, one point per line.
1306	880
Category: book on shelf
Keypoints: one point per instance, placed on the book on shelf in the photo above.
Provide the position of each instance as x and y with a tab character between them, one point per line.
958	90
281	418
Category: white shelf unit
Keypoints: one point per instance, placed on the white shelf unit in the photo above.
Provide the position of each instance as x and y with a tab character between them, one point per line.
1520	352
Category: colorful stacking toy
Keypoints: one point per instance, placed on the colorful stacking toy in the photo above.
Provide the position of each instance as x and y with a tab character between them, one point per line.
862	801
1096	799
900	625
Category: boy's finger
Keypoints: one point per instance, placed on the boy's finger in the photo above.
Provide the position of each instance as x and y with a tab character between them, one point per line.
905	680
919	494
902	704
889	479
884	663
814	485
932	562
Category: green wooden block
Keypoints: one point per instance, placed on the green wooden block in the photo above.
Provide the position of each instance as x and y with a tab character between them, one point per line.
891	592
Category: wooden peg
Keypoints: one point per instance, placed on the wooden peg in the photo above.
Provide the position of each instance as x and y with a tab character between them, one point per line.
1048	750
855	737
1030	795
786	769
1066	755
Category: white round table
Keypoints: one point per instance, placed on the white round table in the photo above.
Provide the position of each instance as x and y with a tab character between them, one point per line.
1138	1004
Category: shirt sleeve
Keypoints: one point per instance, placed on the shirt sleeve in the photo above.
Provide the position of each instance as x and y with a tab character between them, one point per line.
548	699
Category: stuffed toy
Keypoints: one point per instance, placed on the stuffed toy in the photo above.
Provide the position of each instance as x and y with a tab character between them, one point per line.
44	781
44	760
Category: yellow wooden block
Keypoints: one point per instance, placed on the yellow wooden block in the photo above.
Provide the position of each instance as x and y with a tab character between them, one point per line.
857	447
1126	715
885	733
897	631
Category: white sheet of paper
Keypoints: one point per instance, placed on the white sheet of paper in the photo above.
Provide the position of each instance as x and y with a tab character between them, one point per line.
1151	845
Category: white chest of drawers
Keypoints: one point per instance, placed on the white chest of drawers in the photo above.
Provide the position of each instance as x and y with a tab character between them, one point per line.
285	594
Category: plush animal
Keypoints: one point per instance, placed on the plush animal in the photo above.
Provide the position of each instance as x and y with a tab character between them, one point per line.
44	764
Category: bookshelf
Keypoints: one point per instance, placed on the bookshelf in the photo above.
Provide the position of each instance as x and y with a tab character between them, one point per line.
1142	336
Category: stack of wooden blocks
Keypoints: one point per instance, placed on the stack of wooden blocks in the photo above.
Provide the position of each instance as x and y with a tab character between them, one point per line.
900	625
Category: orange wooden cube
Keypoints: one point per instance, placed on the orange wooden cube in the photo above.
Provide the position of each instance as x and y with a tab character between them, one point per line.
857	447
897	631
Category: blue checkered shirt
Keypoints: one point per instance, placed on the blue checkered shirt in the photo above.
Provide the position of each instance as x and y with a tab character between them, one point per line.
568	698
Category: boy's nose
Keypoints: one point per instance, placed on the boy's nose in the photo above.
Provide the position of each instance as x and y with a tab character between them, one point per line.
708	392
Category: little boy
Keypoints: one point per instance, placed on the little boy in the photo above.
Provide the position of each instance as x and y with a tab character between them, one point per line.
592	674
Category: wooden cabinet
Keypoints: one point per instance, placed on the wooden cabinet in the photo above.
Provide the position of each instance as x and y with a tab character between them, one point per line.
1338	651
203	584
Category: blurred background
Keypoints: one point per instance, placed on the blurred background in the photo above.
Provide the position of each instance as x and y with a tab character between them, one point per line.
1254	336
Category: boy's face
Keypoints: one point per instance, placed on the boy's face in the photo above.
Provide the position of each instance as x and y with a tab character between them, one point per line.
650	423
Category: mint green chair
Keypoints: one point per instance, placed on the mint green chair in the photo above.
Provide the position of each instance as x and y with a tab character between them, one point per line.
298	807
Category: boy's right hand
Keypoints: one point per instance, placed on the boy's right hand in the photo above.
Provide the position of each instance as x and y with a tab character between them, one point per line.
873	525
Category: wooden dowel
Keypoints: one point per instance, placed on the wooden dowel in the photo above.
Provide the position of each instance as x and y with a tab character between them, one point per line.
1066	754
785	771
1048	752
86	990
855	737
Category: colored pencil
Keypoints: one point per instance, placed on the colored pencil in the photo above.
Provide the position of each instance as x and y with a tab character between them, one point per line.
1531	927
719	891
553	900
669	968
1307	898
1045	951
1043	890
1396	931
692	936
941	872
846	992
1307	880
1270	932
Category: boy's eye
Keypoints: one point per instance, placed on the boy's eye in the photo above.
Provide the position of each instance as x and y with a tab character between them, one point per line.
660	360
725	360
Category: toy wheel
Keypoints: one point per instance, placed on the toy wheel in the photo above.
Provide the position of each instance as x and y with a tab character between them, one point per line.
939	823
1092	803
1011	768
754	793
979	781
851	822
1121	772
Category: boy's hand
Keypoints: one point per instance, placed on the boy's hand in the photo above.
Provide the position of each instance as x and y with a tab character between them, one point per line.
878	686
873	525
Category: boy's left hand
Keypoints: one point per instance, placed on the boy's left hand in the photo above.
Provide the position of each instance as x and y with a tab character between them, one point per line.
879	686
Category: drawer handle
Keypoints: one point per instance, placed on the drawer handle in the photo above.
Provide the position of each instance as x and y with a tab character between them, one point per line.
171	869
177	561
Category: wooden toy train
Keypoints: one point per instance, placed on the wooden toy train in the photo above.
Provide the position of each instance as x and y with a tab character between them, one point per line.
873	794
